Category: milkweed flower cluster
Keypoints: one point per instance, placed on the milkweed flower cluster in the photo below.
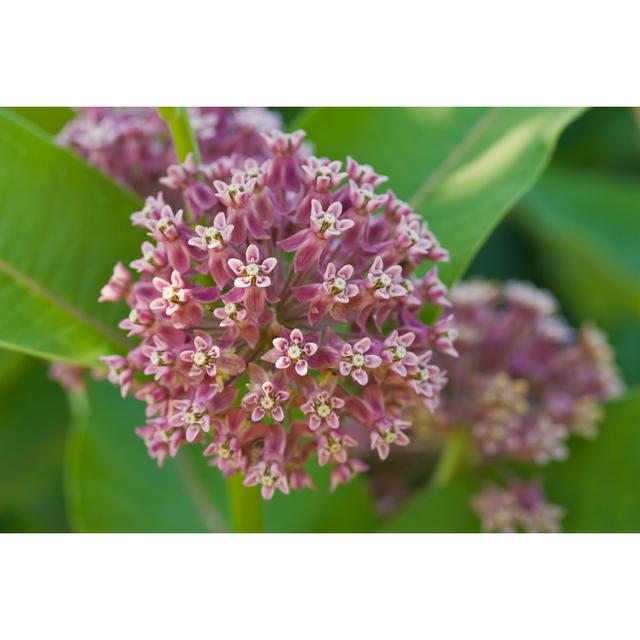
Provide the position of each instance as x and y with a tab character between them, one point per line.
525	380
523	383
133	144
268	311
521	507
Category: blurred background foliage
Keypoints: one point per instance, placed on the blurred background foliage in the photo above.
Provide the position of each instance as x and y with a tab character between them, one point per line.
576	231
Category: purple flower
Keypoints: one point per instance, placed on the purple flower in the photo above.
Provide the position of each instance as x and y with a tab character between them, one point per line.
343	473
396	352
202	357
355	359
333	445
270	476
292	351
324	227
118	285
321	409
177	301
265	399
524	380
322	175
252	273
385	283
192	415
519	507
168	229
278	260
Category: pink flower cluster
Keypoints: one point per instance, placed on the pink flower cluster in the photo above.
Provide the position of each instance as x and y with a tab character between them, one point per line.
524	380
520	507
268	312
133	144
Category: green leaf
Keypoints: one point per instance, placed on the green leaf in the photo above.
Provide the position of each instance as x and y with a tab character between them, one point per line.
49	119
591	221
462	168
587	225
112	485
604	138
33	425
598	483
438	510
63	227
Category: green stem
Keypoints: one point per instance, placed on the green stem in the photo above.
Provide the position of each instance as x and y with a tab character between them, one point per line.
451	458
246	506
184	140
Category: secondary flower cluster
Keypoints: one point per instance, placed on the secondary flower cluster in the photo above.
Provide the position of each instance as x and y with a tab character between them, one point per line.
268	313
523	383
133	144
524	380
520	507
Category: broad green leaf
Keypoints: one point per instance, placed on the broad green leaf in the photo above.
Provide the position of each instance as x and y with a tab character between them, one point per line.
461	168
598	483
33	424
438	510
591	221
11	364
49	119
62	228
587	225
112	485
605	138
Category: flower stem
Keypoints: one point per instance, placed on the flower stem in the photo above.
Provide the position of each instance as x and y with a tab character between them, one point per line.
246	506
451	458
184	140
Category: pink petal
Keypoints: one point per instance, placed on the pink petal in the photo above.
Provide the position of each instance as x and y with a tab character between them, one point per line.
235	265
310	348
407	339
360	376
252	254
332	420
269	265
280	344
372	361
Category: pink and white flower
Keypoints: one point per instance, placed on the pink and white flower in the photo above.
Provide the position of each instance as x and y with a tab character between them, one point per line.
252	272
396	352
292	351
388	432
355	360
203	357
385	283
270	476
321	409
118	285
336	327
